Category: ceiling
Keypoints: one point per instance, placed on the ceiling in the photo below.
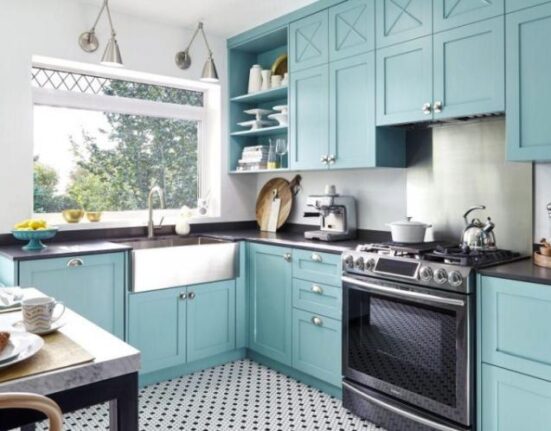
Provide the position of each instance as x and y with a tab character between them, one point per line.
221	17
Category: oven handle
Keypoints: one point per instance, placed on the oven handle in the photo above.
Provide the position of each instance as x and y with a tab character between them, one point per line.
394	409
404	293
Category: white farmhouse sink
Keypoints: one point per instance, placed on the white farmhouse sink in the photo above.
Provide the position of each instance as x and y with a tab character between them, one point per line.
160	263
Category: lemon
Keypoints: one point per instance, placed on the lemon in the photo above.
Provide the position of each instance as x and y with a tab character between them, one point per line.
23	225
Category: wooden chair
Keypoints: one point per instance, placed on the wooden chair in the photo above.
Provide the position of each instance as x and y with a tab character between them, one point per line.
21	400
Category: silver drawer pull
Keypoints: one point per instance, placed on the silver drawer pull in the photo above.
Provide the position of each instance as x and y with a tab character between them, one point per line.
183	295
317	321
317	289
73	263
316	257
287	257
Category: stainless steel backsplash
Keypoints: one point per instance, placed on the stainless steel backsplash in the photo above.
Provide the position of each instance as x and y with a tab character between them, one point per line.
455	166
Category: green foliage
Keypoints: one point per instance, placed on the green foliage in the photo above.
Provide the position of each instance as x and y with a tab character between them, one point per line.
45	182
148	151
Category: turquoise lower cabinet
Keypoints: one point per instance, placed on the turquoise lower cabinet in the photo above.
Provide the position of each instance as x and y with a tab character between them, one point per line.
211	319
317	346
516	326
528	91
92	285
157	327
455	13
309	118
404	82
514	402
469	70
318	298
270	304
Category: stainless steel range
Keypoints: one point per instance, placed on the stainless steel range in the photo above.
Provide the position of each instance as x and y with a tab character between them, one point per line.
408	334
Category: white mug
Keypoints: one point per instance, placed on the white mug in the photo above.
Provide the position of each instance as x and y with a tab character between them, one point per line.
38	313
276	81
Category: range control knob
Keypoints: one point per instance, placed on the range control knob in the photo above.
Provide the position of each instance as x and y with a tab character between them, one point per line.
441	276
369	264
359	263
425	273
455	279
348	262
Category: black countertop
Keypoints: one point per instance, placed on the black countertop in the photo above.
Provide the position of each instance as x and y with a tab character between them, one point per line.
62	249
521	270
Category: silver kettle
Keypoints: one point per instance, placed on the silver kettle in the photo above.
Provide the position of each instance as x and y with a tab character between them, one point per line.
478	235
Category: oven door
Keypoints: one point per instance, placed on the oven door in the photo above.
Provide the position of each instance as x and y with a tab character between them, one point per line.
410	343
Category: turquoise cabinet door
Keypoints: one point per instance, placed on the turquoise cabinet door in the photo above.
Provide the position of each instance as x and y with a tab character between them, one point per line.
514	5
528	69
210	319
309	42
309	110
270	287
352	112
318	267
404	82
402	20
469	70
242	301
317	346
157	327
351	29
514	402
516	326
94	286
455	13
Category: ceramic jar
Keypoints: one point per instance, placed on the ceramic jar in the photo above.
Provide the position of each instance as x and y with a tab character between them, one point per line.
255	78
266	79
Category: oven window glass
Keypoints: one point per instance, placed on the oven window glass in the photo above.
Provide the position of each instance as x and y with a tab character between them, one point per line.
405	344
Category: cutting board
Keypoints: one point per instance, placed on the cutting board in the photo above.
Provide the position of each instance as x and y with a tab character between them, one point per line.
286	191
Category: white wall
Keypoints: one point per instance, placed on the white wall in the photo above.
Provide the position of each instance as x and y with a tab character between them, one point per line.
380	194
51	28
542	196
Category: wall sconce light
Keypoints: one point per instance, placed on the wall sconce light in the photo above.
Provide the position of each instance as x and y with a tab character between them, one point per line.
183	58
88	40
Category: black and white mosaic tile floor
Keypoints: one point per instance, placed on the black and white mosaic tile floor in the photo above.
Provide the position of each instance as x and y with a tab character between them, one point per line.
241	395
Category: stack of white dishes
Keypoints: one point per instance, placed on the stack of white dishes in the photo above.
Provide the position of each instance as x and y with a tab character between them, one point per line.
259	122
282	115
253	158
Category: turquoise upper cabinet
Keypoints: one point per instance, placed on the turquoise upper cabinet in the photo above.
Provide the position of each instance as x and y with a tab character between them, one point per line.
402	20
513	5
404	82
469	70
92	285
211	319
270	284
309	122
309	41
513	402
528	89
157	327
351	28
455	13
352	112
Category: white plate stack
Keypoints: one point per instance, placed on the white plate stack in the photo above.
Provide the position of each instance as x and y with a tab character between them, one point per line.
253	158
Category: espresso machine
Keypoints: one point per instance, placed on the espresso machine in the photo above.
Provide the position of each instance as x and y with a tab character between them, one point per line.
337	216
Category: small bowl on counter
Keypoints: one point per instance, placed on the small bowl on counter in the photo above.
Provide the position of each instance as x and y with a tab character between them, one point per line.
35	237
73	215
93	216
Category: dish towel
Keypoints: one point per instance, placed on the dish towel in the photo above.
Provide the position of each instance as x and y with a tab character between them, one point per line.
9	296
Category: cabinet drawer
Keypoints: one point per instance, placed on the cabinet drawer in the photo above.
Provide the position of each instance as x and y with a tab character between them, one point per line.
317	346
317	298
516	326
513	402
318	267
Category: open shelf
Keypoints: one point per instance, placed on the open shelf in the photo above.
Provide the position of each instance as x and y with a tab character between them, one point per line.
264	131
262	96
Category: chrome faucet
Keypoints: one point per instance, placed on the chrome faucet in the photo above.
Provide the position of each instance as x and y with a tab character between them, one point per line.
150	225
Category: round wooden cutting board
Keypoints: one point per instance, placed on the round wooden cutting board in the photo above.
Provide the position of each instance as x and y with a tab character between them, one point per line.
286	191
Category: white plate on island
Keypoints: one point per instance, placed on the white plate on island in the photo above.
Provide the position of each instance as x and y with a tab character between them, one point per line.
12	349
27	345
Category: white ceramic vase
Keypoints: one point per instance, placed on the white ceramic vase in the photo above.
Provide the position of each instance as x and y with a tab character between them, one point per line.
255	78
266	78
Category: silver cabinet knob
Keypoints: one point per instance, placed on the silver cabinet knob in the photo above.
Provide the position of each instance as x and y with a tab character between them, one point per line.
73	263
288	257
331	159
427	109
183	295
191	295
325	159
316	257
317	289
317	321
438	105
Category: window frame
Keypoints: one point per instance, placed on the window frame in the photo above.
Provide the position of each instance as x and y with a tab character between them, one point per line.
207	129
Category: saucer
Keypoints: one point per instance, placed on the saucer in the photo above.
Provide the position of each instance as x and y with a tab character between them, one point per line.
55	326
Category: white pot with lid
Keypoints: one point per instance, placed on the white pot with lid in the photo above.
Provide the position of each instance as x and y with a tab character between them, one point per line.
408	231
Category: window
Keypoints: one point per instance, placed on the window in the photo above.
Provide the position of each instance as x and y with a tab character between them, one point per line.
101	143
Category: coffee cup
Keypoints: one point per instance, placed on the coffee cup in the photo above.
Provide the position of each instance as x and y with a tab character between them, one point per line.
38	313
276	81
